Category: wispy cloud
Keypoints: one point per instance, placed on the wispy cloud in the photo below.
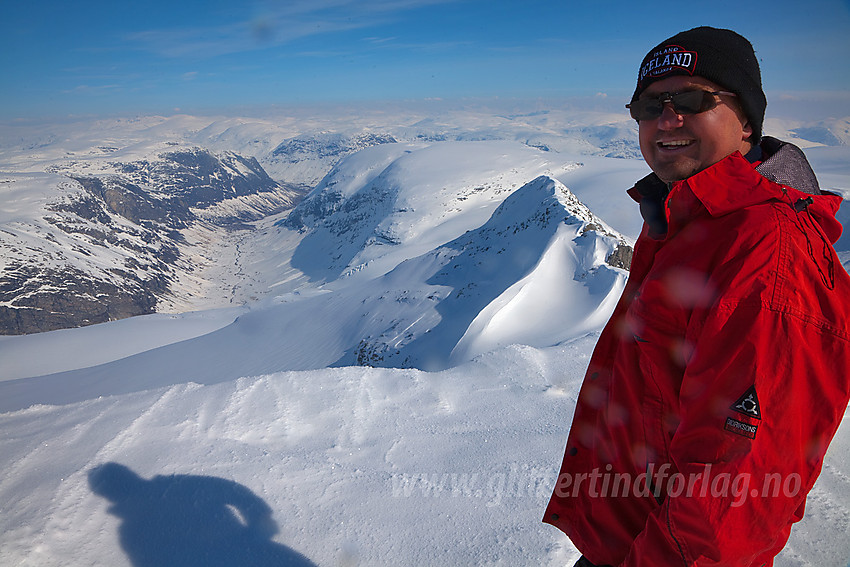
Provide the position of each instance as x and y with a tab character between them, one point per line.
92	89
379	40
271	25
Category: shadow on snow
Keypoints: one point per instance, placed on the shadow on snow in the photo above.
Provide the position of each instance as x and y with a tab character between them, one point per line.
191	521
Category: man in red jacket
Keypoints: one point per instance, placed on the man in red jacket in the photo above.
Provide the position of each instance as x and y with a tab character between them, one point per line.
723	374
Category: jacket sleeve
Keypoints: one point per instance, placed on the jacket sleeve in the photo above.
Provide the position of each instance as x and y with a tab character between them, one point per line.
763	392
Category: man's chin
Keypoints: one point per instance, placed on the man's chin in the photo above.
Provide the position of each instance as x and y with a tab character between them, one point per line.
670	173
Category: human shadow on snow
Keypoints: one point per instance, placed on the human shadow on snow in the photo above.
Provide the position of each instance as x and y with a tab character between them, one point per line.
191	521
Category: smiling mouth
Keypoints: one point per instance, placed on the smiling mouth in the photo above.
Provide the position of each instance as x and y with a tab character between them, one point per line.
675	144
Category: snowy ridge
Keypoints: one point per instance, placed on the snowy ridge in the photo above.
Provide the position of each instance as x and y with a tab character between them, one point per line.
524	243
572	285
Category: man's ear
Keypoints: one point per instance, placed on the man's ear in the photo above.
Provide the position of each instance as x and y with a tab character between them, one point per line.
747	131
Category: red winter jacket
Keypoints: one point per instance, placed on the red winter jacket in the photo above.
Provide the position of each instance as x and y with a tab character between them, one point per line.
720	379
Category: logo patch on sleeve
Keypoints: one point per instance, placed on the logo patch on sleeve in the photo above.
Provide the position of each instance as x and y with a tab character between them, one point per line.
748	404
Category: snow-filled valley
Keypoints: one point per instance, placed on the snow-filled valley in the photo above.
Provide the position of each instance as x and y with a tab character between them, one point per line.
384	375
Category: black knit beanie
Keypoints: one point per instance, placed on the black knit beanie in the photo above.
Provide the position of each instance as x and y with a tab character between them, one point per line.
721	56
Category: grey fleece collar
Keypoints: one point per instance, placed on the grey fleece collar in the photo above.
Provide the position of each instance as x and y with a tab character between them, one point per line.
786	164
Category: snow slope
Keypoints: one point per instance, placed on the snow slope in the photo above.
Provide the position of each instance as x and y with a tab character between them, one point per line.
357	466
245	436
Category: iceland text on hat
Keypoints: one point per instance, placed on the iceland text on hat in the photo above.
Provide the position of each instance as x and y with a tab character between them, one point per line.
666	59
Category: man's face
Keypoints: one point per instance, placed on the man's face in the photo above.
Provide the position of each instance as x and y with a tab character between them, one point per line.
676	146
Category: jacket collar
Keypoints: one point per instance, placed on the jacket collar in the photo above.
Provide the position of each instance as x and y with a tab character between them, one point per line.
718	188
728	185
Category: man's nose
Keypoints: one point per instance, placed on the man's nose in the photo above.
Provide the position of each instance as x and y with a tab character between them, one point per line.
669	118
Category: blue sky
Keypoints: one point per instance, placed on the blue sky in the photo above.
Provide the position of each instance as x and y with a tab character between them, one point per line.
96	57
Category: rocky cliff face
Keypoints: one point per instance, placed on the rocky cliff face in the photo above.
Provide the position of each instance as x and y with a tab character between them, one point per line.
110	241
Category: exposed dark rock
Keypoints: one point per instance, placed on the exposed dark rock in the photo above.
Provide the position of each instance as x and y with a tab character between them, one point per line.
47	299
129	223
134	203
621	257
328	145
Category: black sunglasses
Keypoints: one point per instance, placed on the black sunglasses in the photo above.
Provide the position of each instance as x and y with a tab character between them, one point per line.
688	102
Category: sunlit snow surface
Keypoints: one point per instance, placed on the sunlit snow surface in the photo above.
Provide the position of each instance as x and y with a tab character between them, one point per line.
243	436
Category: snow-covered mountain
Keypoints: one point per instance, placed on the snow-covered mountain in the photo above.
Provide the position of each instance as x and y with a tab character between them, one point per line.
394	260
311	156
542	258
120	218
